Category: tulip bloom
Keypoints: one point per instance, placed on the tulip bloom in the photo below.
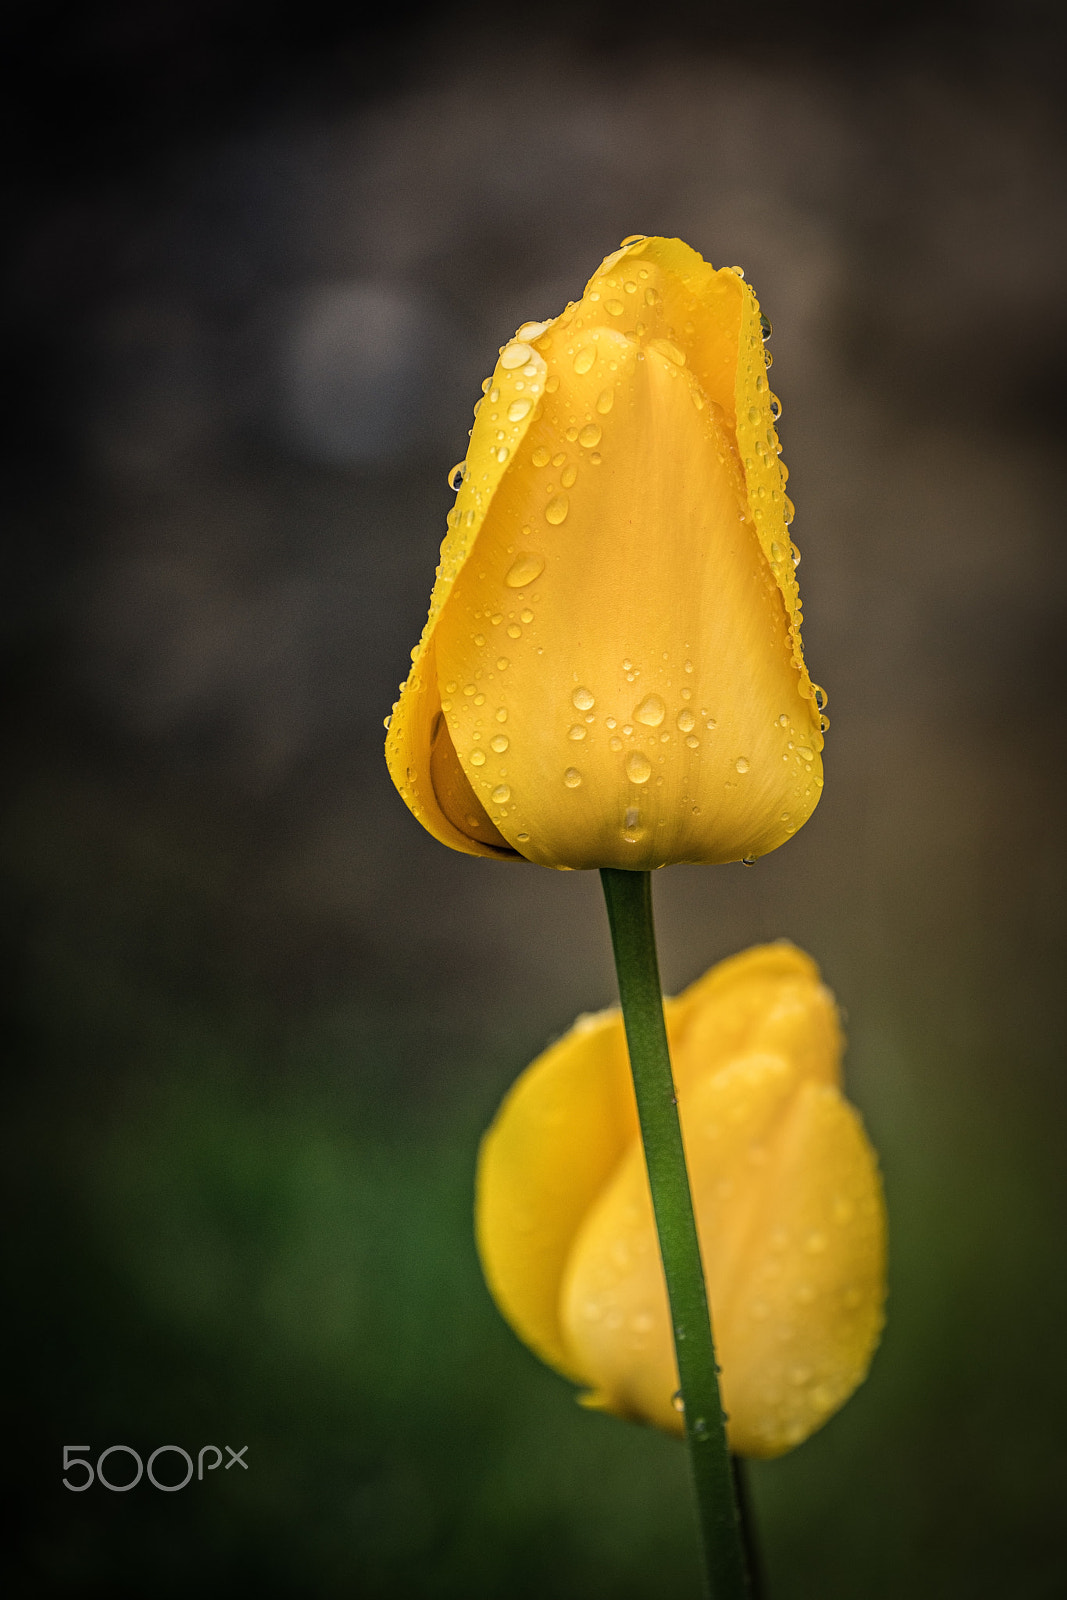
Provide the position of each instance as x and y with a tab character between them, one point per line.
786	1192
611	673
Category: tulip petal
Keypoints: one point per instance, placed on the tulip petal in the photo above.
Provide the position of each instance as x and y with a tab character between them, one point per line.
552	1146
791	1223
766	999
715	318
502	419
647	682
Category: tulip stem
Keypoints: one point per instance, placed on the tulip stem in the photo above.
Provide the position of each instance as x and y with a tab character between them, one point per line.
629	902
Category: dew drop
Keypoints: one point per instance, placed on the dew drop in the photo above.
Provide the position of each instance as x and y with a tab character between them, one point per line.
568	475
590	436
576	732
502	714
524	569
499	743
805	753
741	765
638	767
765	327
501	794
776	407
585	358
516	355
531	330
572	777
477	758
519	409
615	307
692	741
514	631
748	861
583	700
502	454
540	457
822	699
556	510
651	711
457	475
605	401
686	721
552	383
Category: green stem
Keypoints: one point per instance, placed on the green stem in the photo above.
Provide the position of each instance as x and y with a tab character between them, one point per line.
629	901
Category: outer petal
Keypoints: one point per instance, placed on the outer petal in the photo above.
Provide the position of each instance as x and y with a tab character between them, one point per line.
639	697
502	420
792	1228
768	999
552	1147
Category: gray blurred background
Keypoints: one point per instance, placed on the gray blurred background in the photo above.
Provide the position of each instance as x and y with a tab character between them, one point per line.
262	261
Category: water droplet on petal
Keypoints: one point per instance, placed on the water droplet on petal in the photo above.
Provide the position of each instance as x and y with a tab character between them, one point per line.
556	510
568	475
499	743
457	475
686	721
615	307
805	753
516	355
677	1402
572	777
524	569
605	401
501	794
477	758
531	330
765	327
582	700
651	711
585	358
577	732
589	436
518	409
741	765
638	767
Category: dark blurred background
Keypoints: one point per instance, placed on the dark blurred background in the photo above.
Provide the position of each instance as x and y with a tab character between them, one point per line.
257	1018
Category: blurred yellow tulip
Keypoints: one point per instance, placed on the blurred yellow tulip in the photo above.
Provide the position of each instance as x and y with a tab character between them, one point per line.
611	673
786	1191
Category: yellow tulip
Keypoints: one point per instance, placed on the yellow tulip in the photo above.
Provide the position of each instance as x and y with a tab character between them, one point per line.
786	1191
611	673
